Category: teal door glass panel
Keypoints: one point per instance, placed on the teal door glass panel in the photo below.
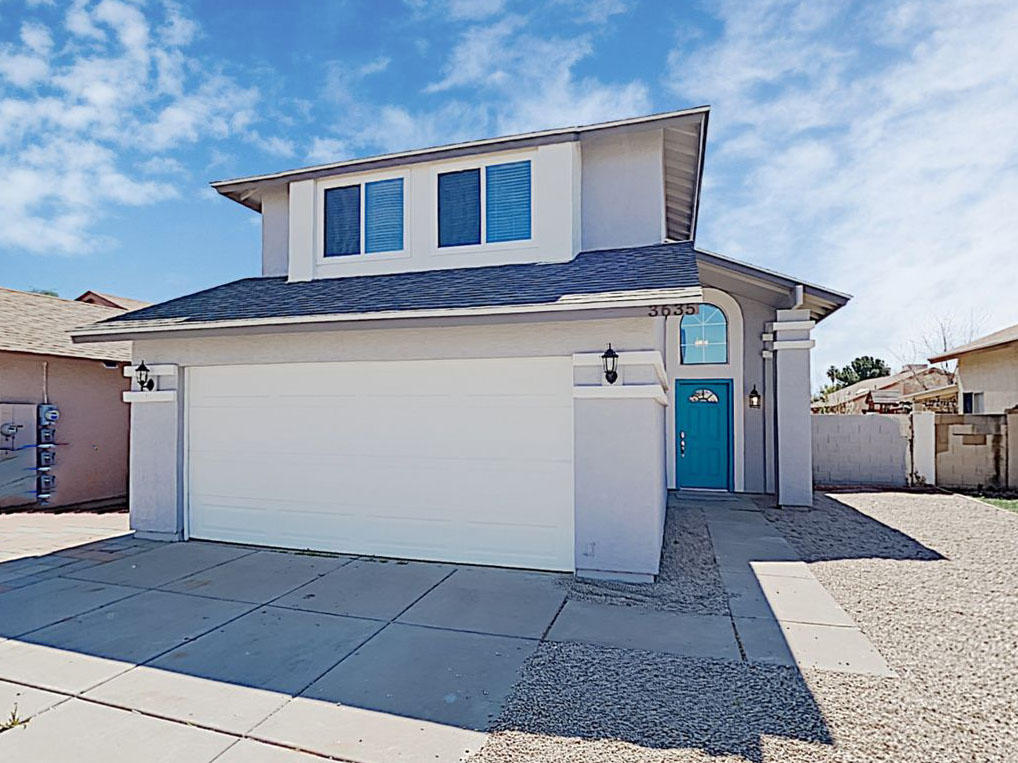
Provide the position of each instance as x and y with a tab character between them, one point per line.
703	433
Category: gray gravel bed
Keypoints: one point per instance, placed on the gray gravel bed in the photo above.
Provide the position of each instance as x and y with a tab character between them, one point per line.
689	581
931	579
578	702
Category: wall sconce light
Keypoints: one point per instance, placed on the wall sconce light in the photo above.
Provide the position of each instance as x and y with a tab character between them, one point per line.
755	398
611	364
142	376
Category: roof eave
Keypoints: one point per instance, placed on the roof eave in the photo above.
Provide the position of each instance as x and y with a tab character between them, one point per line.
568	303
955	354
825	300
242	190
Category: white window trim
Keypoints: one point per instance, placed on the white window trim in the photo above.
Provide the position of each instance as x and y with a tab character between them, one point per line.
728	348
473	163
343	181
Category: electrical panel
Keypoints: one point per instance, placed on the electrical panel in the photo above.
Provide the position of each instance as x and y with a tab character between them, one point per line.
28	453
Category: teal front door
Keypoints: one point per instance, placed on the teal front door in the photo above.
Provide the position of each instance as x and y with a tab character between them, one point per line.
703	433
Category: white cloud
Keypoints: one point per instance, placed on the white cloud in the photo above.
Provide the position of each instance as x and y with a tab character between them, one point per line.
36	37
326	150
498	78
869	149
22	70
94	100
472	10
162	165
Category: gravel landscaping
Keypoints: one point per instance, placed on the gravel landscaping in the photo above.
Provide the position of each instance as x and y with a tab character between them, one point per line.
689	581
930	579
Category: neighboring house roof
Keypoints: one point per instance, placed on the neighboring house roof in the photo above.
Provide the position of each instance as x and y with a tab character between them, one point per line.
111	300
947	390
864	387
883	396
38	324
996	339
640	275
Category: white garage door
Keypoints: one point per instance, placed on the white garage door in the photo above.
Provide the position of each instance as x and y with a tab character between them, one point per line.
456	460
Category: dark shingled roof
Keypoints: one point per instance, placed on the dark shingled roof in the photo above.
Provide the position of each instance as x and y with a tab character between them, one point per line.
663	266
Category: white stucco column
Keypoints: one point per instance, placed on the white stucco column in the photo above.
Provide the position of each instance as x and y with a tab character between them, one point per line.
770	469
619	467
790	344
154	494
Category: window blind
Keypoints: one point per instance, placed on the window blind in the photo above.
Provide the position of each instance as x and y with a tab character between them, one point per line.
343	221
383	216
507	201
459	208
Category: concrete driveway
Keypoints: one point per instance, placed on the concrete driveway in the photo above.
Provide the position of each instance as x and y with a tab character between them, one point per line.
218	646
123	649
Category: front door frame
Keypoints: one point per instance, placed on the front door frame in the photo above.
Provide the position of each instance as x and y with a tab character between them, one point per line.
730	470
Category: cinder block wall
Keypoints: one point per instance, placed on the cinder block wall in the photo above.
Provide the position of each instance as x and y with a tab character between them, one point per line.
972	450
856	449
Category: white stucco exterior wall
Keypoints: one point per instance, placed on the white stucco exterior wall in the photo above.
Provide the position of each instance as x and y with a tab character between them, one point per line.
555	199
620	488
275	231
156	450
623	202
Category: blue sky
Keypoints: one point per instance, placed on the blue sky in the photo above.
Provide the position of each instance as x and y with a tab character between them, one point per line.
869	147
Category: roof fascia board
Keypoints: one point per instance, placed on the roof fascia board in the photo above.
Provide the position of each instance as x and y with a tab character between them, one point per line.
959	351
764	275
570	303
699	175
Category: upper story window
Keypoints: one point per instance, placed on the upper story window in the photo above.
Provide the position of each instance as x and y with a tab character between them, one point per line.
378	229
703	337
505	214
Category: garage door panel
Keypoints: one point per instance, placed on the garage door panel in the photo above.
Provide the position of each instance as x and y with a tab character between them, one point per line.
421	484
349	430
455	460
457	378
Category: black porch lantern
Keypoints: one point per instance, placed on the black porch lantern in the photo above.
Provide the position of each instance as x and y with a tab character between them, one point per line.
142	376
611	364
755	398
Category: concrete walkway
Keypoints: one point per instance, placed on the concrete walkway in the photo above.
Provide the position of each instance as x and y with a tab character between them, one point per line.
781	613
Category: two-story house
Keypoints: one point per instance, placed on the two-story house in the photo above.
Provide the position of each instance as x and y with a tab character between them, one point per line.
422	369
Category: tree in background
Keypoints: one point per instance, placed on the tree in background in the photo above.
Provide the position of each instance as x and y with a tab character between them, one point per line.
47	292
863	367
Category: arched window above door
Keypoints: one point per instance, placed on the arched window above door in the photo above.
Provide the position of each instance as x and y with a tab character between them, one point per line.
703	338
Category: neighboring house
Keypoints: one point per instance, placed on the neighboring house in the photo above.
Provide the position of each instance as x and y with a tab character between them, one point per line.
418	372
936	400
110	300
40	365
884	394
987	372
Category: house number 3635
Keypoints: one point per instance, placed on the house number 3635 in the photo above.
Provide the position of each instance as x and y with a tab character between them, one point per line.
655	311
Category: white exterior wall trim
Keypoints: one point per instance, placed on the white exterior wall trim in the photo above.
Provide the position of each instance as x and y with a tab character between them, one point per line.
160	369
156	396
791	326
793	344
640	391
